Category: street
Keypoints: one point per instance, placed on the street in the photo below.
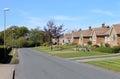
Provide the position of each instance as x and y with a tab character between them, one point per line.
36	65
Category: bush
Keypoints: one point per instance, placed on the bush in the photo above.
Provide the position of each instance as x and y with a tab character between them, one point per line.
4	53
105	49
46	44
116	50
96	46
107	45
89	42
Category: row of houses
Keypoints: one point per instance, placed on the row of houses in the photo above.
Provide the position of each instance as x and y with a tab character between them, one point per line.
97	36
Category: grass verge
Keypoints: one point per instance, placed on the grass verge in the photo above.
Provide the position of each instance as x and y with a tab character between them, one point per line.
66	52
14	59
97	56
112	64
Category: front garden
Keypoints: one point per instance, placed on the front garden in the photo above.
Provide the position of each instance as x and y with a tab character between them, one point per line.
67	50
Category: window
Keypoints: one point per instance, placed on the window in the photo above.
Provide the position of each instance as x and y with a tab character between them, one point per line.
113	38
63	41
69	41
94	38
90	39
107	38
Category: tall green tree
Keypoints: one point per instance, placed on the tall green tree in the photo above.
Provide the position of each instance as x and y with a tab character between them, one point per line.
36	35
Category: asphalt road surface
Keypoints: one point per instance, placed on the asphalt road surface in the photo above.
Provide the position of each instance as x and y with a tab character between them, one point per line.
36	65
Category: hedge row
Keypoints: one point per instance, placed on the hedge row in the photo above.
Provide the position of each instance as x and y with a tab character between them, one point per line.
4	52
108	49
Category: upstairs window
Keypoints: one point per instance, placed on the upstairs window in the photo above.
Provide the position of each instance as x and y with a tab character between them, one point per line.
113	37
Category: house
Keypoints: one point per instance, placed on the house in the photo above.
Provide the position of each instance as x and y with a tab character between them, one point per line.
68	38
61	39
82	37
75	37
101	35
85	36
65	38
97	36
115	35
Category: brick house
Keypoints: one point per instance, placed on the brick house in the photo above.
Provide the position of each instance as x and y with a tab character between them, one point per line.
75	37
101	35
98	36
61	39
115	35
68	38
85	36
65	38
82	37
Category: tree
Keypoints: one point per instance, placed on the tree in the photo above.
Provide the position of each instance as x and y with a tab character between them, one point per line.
53	31
36	35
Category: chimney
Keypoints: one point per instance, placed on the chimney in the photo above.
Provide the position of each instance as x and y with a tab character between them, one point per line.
80	30
90	28
103	25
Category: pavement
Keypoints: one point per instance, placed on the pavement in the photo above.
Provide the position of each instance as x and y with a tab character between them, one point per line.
6	71
36	65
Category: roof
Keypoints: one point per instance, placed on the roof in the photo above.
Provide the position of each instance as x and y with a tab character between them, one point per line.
101	31
85	33
68	35
117	28
76	34
62	36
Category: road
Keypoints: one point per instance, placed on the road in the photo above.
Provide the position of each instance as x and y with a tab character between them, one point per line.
36	65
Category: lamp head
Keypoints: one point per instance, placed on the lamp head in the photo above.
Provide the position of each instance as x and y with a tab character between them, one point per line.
6	9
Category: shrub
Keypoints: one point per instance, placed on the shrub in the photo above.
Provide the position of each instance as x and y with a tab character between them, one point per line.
46	44
107	45
89	42
105	49
116	50
95	46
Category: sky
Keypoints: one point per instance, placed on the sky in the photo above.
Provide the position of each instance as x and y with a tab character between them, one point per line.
73	14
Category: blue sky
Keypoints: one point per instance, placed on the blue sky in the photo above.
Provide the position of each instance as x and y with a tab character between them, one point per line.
74	14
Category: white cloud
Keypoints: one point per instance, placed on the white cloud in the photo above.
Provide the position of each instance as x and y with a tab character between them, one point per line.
108	13
65	18
34	20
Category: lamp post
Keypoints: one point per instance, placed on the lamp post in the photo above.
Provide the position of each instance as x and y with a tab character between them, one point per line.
12	36
5	10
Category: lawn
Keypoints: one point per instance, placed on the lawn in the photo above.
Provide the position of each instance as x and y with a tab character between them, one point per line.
66	52
112	64
97	56
1	46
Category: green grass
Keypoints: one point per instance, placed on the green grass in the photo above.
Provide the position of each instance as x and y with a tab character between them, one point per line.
66	52
14	59
99	56
1	46
113	64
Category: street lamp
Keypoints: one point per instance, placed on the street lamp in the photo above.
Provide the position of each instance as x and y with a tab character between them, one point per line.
12	36
5	10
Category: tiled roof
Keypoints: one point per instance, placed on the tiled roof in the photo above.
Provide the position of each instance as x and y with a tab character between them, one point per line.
68	35
76	34
62	36
102	31
117	28
85	33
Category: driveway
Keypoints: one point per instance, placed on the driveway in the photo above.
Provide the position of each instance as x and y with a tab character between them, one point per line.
36	65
